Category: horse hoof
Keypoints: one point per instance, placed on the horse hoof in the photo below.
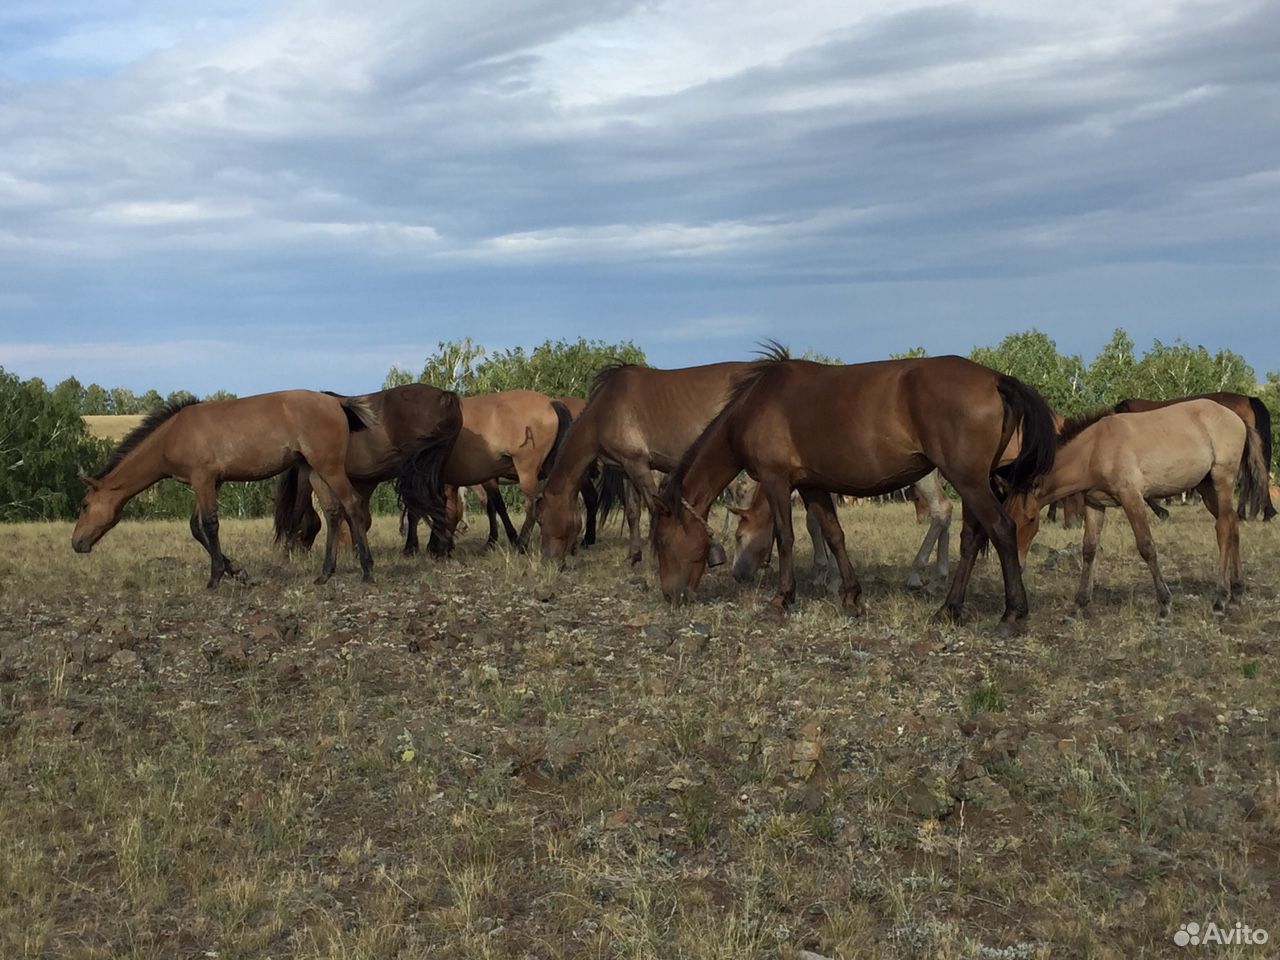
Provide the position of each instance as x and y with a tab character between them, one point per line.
634	558
409	552
367	578
853	608
213	583
1006	629
946	614
914	582
321	580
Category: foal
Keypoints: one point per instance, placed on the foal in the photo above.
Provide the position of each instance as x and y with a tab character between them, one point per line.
1123	460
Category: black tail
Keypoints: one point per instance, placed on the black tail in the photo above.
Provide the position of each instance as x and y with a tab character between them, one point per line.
420	478
296	520
1262	420
563	422
613	488
1039	437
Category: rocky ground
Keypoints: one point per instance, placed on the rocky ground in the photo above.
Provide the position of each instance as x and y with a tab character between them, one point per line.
489	758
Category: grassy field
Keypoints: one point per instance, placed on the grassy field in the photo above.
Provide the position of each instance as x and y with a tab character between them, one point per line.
489	758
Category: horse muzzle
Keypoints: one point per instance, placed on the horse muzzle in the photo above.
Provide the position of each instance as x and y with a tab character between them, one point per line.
81	546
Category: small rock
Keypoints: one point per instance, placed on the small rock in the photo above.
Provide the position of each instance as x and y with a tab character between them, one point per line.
126	660
656	637
929	799
986	793
543	593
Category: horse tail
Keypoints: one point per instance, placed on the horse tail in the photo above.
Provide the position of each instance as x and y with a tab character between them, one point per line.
296	520
420	478
1255	478
1262	421
1026	408
564	420
612	488
360	413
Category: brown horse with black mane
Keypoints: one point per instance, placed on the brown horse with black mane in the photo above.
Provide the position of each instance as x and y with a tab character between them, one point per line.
639	418
417	427
1252	411
864	429
203	444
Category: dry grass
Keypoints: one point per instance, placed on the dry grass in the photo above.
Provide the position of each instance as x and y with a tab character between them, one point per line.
111	426
488	758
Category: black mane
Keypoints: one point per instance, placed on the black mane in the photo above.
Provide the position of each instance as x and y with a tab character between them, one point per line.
1072	427
772	354
141	432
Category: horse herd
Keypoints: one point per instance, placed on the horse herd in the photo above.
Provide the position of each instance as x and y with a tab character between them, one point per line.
792	425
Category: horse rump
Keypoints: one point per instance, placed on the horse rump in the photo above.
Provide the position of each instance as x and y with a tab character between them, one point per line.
419	479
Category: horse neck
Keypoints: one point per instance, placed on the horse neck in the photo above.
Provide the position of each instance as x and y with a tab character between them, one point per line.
1070	472
141	467
712	468
573	458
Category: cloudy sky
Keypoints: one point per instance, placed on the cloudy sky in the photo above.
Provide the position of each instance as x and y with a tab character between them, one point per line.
272	194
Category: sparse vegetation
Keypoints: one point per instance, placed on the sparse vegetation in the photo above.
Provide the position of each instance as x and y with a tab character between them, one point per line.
485	758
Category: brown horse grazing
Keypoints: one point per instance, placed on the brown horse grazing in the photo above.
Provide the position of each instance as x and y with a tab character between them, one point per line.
754	535
417	426
641	419
1122	460
1252	411
505	436
203	444
864	429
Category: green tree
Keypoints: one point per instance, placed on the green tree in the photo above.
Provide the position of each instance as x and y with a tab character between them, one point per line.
1034	359
96	401
69	392
1178	369
180	396
123	401
1110	377
817	356
910	353
43	447
220	395
453	366
151	400
396	377
559	368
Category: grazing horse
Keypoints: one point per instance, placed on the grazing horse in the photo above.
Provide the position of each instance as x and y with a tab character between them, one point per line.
1252	411
417	427
865	429
641	419
754	534
1123	460
510	436
203	444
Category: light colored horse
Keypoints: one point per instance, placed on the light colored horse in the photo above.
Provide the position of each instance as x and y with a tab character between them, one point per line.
1124	459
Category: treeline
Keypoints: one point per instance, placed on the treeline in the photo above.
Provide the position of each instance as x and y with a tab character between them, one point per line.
44	444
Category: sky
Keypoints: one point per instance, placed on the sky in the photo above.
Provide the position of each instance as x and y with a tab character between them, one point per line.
259	194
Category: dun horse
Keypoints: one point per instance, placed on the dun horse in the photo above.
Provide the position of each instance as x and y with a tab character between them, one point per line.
1252	411
417	427
754	535
203	444
510	436
864	430
1124	460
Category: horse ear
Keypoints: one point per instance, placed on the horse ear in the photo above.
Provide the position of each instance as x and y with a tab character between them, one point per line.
89	482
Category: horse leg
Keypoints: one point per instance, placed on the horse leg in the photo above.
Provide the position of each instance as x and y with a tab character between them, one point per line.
1157	509
590	500
822	510
1132	506
1094	518
823	561
990	522
779	496
972	540
204	527
496	508
356	513
641	478
631	512
332	527
1216	494
930	490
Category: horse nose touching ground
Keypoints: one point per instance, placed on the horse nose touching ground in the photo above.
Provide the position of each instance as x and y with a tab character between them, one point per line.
863	429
